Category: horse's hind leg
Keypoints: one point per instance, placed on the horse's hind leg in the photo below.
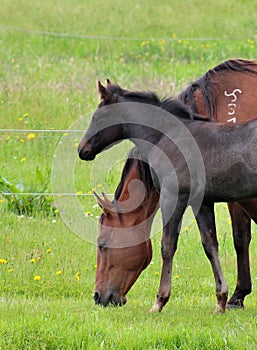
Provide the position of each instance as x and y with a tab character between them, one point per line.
206	223
241	224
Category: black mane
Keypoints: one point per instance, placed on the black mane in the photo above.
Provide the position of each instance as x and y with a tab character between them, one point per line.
206	84
170	104
135	158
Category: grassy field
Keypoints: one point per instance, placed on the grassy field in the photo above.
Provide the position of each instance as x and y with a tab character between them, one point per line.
52	55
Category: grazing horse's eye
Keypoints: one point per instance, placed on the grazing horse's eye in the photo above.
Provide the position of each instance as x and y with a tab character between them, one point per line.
101	247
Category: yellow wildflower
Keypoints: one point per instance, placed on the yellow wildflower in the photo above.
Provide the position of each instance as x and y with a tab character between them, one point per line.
59	272
48	251
33	260
31	136
79	192
23	159
10	270
37	278
3	261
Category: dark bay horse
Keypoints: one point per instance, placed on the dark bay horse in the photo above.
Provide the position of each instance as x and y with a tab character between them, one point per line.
225	87
177	189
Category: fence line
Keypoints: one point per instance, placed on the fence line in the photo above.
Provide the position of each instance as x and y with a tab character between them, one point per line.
55	131
39	130
57	194
114	38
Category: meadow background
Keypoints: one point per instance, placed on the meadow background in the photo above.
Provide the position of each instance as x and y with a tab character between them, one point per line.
52	54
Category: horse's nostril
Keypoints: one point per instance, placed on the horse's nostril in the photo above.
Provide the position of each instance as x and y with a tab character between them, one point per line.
96	297
111	300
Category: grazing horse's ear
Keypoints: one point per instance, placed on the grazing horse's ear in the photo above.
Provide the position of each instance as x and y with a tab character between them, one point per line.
104	203
108	82
103	92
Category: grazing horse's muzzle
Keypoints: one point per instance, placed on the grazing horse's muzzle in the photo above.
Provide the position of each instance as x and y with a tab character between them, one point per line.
109	299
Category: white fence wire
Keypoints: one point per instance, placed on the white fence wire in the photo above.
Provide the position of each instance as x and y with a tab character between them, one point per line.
43	131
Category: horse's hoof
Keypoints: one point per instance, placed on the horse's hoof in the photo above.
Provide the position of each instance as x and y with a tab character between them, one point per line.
236	304
219	309
156	308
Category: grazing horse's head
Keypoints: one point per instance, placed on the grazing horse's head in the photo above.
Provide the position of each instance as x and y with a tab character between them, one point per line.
124	245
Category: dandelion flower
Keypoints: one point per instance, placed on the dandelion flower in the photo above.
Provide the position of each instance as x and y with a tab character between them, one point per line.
23	159
3	261
33	260
79	192
10	270
48	251
31	136
37	278
59	272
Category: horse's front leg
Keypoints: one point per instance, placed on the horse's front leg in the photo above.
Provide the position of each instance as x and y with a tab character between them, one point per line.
206	223
171	227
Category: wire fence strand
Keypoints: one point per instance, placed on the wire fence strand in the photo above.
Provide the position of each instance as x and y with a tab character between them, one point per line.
105	37
48	131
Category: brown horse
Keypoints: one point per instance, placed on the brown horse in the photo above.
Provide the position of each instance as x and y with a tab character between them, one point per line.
119	266
226	88
224	93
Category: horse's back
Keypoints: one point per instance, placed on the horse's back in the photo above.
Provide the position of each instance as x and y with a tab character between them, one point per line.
227	93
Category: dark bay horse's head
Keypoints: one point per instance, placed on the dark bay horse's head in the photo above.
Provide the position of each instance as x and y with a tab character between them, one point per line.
124	245
101	132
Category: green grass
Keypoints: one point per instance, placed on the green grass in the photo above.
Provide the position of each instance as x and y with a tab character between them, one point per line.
48	81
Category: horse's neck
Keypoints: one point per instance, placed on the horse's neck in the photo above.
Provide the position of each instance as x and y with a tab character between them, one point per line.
134	194
142	136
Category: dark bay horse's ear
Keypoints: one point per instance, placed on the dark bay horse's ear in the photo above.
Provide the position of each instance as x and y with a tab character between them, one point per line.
104	203
108	82
103	92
